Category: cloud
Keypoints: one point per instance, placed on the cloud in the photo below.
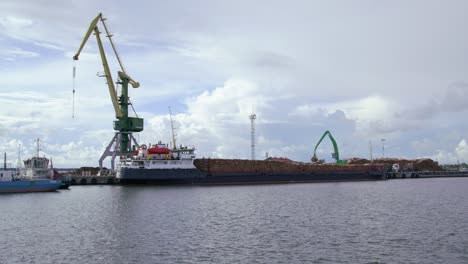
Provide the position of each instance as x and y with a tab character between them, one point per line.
12	25
16	53
462	151
303	67
451	100
212	119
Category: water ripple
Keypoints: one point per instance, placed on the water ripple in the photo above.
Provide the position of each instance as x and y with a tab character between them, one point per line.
399	221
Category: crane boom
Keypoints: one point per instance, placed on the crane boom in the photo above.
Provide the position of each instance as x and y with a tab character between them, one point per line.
93	27
336	154
110	82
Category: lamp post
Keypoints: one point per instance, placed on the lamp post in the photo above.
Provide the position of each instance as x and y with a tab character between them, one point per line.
383	147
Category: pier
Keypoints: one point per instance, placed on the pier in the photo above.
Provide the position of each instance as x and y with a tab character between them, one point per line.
88	176
426	174
111	179
93	180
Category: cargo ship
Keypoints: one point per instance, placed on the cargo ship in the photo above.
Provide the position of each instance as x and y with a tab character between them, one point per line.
161	165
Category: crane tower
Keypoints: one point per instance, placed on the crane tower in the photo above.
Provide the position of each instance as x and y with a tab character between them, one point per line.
252	118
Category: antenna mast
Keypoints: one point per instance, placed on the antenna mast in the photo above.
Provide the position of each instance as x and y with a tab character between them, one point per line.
37	147
18	164
252	118
174	146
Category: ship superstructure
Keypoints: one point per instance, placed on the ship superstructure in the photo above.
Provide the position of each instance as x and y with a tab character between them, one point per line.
158	158
37	167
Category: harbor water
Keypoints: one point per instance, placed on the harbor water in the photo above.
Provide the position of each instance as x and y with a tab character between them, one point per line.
395	221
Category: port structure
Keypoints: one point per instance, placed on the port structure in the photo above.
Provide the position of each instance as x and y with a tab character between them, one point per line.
252	118
124	125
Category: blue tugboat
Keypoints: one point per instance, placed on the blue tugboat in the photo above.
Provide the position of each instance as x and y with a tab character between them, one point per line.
34	177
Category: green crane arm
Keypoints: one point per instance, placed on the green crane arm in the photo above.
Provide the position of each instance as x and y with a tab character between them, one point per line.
110	83
335	147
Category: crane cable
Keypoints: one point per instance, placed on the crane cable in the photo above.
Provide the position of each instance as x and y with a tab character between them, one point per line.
74	75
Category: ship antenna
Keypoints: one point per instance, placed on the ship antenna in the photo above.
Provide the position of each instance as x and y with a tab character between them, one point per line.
37	147
18	165
174	146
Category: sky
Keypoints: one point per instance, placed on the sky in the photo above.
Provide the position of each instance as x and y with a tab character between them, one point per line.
384	77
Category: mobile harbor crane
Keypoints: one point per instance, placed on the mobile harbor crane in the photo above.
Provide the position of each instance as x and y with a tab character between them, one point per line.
124	125
335	155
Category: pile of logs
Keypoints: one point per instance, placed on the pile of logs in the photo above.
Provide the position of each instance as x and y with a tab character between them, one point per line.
405	164
239	166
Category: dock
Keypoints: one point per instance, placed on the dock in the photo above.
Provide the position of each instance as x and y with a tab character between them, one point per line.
426	174
93	180
89	176
111	179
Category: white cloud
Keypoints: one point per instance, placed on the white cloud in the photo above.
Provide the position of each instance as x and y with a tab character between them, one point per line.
13	25
462	151
444	157
16	53
303	67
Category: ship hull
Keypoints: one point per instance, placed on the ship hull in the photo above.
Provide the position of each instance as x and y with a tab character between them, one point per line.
198	177
29	186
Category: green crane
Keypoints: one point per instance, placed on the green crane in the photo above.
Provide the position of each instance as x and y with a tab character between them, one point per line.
124	124
335	155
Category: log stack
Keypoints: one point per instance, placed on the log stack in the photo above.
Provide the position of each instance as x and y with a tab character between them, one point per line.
240	166
405	164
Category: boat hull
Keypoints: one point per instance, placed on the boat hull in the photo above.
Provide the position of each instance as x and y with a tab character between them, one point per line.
29	186
198	177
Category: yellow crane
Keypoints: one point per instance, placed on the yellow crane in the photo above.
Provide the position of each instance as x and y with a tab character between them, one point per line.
124	124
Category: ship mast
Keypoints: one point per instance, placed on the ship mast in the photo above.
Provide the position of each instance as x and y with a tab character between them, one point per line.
37	147
174	146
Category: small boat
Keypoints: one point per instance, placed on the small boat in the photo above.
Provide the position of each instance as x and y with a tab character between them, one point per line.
12	182
41	168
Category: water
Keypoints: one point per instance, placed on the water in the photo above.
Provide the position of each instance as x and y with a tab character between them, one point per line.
397	221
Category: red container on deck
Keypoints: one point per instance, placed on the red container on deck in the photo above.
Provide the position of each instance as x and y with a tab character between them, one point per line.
158	150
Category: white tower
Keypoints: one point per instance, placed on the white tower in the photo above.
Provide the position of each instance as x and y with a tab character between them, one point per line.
252	118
